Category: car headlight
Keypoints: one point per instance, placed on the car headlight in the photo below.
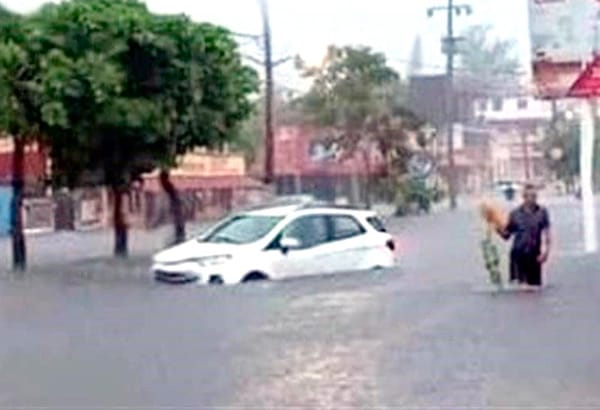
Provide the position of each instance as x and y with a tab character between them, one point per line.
213	260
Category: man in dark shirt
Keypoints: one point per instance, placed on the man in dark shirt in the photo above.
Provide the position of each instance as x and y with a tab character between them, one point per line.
529	226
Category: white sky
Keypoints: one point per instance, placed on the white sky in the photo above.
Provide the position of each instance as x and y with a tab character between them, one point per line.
307	27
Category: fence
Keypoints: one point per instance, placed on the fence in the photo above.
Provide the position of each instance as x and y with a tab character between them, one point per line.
38	215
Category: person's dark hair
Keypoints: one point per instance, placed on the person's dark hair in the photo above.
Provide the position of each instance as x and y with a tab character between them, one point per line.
530	187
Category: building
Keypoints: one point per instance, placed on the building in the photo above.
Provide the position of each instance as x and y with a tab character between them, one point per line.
37	210
306	163
473	147
209	184
518	125
472	142
35	164
499	128
502	141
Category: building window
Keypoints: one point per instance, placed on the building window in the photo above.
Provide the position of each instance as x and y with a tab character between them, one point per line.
522	104
482	105
497	104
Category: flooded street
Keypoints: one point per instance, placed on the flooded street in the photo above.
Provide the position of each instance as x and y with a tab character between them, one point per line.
428	334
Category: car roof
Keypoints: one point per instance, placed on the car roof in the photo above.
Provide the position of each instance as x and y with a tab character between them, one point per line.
281	211
297	210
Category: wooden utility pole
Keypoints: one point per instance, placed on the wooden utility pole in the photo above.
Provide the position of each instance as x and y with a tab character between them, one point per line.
450	104
269	90
449	47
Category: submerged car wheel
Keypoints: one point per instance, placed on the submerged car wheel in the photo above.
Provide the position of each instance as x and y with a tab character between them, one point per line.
255	277
216	280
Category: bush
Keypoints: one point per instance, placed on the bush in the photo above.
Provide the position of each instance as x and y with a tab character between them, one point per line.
438	194
413	196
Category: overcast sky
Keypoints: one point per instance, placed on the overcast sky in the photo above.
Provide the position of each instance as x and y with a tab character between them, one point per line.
307	27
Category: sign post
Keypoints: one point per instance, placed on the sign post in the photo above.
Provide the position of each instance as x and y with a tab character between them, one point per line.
564	37
586	175
587	87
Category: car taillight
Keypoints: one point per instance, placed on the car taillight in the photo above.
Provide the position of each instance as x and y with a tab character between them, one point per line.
391	245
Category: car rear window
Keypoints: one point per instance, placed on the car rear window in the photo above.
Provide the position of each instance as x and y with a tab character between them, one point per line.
376	223
345	227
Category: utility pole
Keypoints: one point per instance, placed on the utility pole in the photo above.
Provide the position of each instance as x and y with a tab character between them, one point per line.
269	89
267	63
449	47
526	160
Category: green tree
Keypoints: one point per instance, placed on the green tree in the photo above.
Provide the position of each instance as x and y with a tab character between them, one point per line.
125	92
359	99
562	151
250	136
489	62
5	13
18	119
201	86
100	131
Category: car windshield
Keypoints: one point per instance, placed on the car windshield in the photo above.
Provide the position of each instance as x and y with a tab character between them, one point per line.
242	229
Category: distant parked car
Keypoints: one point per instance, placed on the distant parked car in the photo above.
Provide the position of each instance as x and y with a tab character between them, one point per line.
278	243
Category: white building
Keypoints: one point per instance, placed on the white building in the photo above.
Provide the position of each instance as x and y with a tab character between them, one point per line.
512	109
517	125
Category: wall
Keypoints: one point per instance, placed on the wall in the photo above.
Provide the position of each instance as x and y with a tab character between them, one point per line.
211	165
5	203
297	153
510	110
35	162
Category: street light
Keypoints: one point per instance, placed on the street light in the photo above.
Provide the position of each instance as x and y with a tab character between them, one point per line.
449	47
458	9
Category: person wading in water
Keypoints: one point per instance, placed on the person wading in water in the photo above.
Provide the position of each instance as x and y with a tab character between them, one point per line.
529	226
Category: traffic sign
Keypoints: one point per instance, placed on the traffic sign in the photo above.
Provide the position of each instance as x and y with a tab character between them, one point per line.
421	165
588	83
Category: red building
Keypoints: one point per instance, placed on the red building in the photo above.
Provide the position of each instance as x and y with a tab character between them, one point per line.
305	163
37	210
36	160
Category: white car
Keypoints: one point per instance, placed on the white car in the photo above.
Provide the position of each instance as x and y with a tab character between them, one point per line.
280	242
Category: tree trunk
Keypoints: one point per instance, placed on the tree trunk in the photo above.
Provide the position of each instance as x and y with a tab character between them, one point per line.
120	224
175	205
18	184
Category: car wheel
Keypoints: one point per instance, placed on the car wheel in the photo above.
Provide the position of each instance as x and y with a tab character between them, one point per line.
255	277
216	280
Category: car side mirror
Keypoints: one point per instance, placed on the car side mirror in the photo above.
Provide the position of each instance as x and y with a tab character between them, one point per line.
288	244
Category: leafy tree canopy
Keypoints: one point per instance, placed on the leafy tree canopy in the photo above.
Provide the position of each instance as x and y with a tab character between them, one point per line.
356	94
487	62
124	91
116	91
